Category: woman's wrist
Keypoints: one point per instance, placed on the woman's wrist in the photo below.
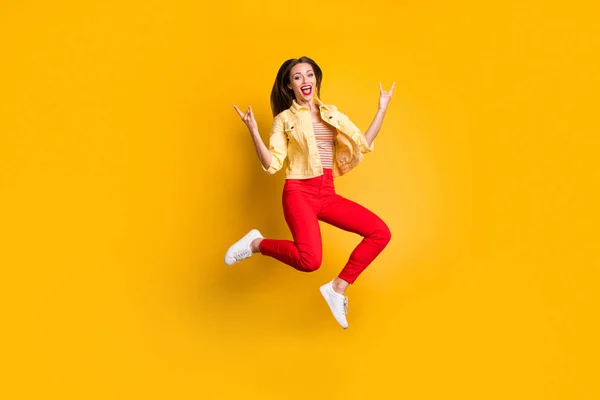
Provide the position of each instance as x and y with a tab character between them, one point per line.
254	132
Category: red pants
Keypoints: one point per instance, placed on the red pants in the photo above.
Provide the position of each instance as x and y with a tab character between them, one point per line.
305	202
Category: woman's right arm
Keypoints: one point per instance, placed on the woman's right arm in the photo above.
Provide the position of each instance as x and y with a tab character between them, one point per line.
271	159
261	150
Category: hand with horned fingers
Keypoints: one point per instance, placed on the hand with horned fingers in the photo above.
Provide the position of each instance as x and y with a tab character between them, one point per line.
247	118
385	97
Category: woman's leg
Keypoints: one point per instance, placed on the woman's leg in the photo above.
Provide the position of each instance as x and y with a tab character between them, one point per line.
350	216
305	252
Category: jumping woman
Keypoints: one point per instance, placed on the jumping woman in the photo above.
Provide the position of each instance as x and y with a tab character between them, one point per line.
320	143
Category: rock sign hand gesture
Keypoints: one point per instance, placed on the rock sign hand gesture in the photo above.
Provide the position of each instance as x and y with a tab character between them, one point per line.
385	97
247	118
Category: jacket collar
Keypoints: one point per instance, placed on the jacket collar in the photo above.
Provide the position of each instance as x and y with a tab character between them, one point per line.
296	107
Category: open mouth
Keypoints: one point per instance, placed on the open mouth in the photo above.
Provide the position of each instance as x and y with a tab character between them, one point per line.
306	90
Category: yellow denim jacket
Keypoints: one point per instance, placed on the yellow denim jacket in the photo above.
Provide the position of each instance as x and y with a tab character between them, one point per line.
292	137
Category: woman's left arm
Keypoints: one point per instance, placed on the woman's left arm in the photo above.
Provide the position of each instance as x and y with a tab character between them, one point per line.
384	100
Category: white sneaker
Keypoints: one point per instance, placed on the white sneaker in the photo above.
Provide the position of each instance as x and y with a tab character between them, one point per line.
241	249
338	303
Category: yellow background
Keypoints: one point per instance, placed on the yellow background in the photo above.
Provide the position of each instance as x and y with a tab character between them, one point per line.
125	175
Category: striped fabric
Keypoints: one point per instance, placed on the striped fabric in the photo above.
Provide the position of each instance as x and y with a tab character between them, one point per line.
325	136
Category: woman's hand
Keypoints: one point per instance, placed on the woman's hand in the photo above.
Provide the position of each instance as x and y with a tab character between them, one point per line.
264	155
385	97
247	118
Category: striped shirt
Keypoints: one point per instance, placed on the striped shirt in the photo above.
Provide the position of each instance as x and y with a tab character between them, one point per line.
325	136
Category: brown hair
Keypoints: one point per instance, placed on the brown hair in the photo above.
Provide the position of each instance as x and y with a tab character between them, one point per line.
281	95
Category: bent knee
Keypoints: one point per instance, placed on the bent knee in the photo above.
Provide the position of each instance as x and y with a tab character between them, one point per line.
310	264
382	233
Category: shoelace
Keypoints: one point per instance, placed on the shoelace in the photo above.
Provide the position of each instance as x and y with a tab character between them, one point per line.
345	305
242	253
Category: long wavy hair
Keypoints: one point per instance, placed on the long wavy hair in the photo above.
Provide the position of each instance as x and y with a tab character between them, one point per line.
281	95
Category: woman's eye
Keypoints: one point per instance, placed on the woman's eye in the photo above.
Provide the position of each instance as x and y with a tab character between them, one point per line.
296	78
310	74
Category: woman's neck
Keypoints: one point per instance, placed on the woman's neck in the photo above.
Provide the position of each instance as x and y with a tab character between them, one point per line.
308	104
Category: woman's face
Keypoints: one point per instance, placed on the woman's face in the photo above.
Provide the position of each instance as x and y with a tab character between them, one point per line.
303	82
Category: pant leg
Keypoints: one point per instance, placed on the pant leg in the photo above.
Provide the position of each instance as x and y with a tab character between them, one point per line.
350	216
305	253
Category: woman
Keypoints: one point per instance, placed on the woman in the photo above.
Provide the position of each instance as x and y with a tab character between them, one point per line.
320	143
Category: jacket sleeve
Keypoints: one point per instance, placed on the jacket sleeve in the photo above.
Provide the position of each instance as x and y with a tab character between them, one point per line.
357	136
278	144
